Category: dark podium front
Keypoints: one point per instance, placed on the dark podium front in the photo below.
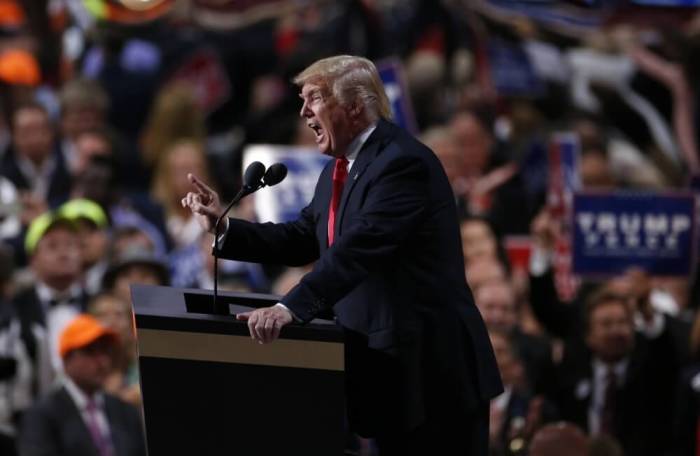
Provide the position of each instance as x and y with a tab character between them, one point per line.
208	389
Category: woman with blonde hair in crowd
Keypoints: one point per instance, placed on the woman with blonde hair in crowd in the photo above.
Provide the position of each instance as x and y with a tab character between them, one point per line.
170	184
175	115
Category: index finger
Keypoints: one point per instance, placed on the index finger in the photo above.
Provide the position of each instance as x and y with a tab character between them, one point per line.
201	186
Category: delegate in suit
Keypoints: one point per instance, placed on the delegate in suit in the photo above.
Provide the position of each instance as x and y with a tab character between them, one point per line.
382	230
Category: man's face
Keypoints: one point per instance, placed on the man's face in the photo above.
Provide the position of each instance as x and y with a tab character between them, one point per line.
610	333
89	366
32	135
496	302
477	240
475	143
57	259
484	270
329	120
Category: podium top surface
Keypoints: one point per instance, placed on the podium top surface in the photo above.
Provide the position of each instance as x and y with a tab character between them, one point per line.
192	310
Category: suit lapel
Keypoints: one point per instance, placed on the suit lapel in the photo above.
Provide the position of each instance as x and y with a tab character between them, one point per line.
376	141
114	431
74	421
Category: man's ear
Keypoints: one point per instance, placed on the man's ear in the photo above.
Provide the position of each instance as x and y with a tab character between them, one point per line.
355	109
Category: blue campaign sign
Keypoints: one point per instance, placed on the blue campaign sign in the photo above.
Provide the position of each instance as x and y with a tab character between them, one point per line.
391	72
511	70
615	231
283	202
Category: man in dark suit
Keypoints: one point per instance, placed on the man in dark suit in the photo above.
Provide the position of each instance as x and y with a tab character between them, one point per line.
79	419
419	365
34	163
624	386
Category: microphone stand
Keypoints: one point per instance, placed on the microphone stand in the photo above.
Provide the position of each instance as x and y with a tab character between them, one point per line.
243	192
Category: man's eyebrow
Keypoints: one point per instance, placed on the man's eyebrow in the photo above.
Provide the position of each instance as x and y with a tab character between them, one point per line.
310	93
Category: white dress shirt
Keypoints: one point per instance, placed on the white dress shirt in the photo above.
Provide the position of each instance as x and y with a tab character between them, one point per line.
600	374
81	402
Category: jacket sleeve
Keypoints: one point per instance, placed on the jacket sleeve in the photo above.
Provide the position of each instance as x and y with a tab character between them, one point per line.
558	319
291	244
394	209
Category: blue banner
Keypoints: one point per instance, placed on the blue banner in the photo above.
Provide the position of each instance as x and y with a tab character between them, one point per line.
284	202
391	72
615	231
511	70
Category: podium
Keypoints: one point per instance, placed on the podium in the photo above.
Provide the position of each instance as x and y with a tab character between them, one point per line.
209	389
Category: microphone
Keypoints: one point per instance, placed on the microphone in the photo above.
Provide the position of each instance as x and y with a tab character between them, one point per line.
255	177
275	174
252	178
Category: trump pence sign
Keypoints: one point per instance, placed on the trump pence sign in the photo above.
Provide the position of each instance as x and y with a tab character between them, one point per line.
615	231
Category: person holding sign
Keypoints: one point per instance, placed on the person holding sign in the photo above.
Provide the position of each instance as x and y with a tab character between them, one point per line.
382	230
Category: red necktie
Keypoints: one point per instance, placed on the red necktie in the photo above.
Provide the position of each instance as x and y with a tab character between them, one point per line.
340	175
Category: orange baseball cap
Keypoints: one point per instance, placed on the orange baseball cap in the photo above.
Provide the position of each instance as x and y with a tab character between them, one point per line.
19	67
81	332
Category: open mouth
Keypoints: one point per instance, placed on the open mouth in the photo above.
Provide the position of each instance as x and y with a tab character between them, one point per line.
318	131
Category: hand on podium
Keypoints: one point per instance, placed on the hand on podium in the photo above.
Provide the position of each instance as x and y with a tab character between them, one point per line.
203	202
265	323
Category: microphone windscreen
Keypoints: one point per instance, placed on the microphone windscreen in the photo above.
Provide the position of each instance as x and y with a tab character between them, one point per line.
253	173
275	174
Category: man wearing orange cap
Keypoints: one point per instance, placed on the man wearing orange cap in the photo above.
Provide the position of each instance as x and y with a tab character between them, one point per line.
79	418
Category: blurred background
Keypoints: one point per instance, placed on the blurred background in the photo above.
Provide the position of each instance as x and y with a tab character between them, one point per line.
567	129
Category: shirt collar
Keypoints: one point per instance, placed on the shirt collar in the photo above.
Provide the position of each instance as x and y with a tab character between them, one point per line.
357	143
79	397
32	171
501	401
600	369
46	293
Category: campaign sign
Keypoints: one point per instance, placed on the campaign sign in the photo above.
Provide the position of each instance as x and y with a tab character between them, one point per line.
511	70
563	182
391	73
284	202
563	157
615	231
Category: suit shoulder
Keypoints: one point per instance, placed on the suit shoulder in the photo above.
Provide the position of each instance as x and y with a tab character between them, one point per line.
120	406
53	404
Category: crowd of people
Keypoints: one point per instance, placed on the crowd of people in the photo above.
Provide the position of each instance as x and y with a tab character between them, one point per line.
101	121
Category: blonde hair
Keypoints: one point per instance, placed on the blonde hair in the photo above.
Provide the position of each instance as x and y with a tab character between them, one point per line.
350	78
162	180
174	116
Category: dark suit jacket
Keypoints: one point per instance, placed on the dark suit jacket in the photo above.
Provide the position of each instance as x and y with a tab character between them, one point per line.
685	423
415	341
30	311
644	404
60	183
54	427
